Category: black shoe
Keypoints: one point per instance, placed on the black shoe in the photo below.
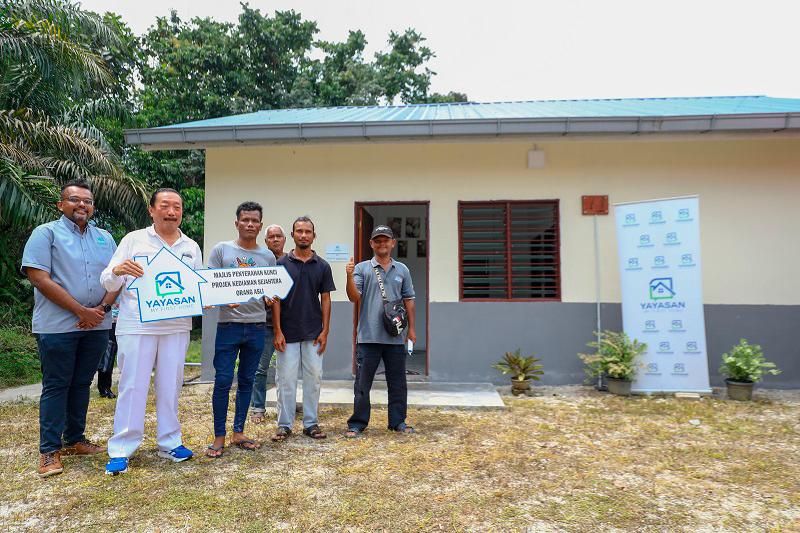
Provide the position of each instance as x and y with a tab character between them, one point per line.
107	393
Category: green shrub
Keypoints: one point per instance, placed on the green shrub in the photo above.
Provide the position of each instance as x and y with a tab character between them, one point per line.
745	363
519	367
19	358
616	356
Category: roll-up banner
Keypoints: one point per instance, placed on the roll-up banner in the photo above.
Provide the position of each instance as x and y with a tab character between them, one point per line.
662	292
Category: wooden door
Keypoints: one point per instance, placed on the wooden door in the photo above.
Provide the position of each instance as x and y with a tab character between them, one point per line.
365	223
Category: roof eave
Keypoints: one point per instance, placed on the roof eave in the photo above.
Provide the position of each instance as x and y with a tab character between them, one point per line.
192	137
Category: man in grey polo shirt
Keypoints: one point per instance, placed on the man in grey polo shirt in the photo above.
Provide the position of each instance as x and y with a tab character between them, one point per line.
374	343
241	331
63	260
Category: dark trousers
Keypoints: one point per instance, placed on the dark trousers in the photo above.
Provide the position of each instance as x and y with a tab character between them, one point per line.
368	357
245	340
265	374
105	368
69	361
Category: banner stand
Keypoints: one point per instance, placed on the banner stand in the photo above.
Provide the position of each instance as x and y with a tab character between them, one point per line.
662	292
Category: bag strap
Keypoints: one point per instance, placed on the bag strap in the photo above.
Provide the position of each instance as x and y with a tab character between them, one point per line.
380	284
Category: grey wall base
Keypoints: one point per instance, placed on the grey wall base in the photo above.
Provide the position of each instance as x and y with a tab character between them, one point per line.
467	337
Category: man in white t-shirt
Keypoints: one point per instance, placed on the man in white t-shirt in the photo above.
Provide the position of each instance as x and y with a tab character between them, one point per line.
143	346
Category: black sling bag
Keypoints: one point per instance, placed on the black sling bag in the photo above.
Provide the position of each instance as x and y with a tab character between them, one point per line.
395	316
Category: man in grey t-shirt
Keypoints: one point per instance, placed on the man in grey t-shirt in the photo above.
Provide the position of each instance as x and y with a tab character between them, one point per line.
240	330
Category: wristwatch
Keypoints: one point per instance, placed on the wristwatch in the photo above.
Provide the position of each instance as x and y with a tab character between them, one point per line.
106	307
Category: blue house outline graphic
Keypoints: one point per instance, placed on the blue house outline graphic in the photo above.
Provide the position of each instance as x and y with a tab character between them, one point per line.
189	277
661	289
168	283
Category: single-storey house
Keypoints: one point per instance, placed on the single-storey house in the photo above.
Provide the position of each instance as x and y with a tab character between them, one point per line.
486	199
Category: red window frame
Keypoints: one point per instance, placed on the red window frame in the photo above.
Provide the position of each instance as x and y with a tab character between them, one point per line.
508	272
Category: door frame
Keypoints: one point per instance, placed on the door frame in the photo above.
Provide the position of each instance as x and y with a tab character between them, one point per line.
361	204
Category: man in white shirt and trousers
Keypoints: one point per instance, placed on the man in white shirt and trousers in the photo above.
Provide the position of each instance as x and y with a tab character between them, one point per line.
142	346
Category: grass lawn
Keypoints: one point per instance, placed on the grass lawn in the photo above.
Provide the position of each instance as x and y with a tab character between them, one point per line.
194	354
19	358
569	459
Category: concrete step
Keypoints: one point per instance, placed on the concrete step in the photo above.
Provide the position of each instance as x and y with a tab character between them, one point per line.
420	394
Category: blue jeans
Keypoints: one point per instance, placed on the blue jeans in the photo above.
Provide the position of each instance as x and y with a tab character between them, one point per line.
298	354
69	361
247	341
260	385
368	357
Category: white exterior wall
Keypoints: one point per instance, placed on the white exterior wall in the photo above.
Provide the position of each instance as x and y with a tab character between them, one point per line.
748	188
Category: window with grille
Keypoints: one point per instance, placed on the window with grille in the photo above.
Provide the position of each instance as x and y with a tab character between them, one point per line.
509	250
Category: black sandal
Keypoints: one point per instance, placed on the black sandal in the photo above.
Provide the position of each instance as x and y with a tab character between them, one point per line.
314	432
247	444
215	453
353	433
403	428
282	434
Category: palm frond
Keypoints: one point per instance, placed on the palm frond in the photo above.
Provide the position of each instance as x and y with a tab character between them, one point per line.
24	200
122	195
50	48
36	130
67	15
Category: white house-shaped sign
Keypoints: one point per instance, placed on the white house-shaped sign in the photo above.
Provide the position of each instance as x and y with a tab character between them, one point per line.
168	289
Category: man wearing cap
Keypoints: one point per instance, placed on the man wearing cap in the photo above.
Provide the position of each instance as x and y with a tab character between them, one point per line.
374	343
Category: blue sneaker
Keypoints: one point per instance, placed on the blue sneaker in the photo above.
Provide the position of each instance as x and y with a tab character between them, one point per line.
117	465
181	453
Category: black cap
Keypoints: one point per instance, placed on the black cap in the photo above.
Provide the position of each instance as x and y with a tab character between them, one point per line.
382	230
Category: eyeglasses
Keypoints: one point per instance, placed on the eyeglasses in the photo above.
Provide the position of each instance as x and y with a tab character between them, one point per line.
84	201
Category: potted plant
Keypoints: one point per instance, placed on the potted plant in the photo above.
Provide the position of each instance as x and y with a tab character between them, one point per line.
615	358
522	370
745	366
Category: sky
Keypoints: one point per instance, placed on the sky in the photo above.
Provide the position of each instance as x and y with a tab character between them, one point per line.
504	50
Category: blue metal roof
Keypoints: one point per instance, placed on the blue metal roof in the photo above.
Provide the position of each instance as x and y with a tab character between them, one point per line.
537	109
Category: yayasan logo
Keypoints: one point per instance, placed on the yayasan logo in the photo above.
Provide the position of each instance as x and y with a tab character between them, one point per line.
662	295
169	290
656	217
661	289
168	283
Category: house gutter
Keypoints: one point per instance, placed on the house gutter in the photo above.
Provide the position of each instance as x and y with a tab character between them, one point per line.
194	137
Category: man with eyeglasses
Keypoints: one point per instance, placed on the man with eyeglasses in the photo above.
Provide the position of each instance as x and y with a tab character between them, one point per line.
63	260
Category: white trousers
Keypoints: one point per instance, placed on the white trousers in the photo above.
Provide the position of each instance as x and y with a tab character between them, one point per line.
138	354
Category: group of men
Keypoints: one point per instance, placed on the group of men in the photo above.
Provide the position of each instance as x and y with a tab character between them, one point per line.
78	273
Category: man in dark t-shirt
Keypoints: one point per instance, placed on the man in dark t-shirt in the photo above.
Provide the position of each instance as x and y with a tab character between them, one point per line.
301	323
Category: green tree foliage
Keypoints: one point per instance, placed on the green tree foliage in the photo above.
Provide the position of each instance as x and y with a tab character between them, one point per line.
202	68
62	70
